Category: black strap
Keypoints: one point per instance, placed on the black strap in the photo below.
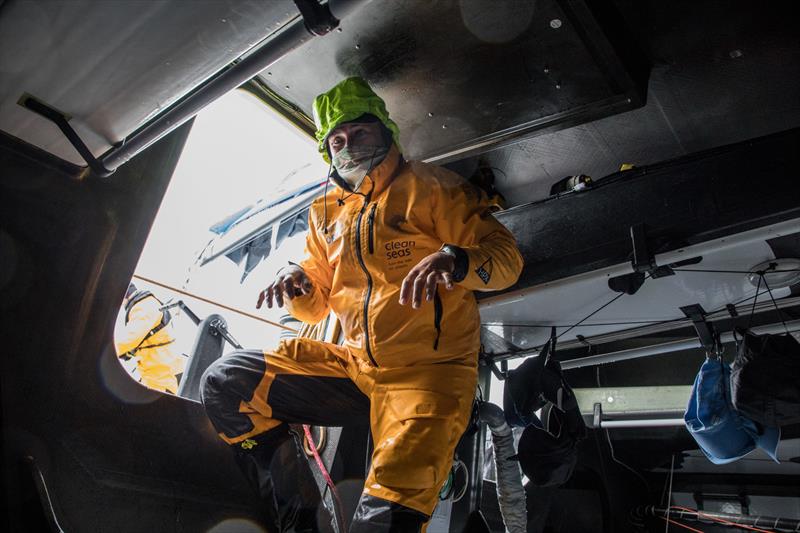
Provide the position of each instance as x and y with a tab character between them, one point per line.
127	356
166	317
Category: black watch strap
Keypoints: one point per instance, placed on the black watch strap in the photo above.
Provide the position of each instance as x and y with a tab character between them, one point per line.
461	261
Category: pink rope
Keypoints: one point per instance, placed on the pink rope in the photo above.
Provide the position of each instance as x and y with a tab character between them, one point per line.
327	476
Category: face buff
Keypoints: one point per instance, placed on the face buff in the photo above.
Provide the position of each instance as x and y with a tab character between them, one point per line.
354	163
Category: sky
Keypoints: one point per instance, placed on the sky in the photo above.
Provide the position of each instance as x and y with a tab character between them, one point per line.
238	151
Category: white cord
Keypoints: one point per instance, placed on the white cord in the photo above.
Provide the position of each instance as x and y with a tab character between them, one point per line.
611	446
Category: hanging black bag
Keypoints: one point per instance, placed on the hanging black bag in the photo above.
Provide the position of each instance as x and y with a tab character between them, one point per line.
548	453
765	378
548	448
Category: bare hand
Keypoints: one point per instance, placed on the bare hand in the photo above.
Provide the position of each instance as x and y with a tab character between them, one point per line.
289	283
432	270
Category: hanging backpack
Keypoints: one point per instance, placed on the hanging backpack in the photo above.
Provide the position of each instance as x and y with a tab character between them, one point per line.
765	378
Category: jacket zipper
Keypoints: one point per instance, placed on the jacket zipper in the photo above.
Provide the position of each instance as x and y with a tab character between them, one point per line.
437	318
369	279
370	228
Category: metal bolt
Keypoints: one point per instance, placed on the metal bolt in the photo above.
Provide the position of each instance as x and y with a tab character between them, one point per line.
339	30
546	69
558	85
555	23
430	114
444	126
735	54
286	87
610	399
224	20
358	47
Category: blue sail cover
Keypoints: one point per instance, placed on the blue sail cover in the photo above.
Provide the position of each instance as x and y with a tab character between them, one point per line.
723	434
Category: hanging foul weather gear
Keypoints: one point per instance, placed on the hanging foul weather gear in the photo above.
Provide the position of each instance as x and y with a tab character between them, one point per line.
148	338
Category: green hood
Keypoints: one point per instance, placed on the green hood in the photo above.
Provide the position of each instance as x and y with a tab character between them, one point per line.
347	101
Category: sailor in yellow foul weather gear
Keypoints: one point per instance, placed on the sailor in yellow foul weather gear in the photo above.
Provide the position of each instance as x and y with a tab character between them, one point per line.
395	251
147	337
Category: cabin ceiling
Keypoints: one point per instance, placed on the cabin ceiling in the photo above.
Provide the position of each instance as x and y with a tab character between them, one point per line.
112	65
722	72
459	77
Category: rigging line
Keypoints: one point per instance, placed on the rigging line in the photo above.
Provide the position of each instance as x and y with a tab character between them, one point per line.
714	312
669	493
212	302
710	313
778	309
590	315
753	309
623	323
711	271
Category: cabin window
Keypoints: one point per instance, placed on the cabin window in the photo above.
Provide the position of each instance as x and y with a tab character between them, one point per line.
237	181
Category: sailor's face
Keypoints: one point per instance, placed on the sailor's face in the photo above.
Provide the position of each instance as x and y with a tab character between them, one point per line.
355	134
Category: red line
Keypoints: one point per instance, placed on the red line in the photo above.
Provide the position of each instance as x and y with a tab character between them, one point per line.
326	475
701	514
681	525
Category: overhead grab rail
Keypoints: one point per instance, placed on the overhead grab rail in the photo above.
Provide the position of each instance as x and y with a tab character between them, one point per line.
673	346
316	19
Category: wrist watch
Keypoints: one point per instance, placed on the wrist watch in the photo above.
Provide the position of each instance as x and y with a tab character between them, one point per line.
461	260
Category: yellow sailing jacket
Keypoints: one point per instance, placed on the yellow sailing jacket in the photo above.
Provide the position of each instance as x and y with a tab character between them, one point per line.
156	360
360	247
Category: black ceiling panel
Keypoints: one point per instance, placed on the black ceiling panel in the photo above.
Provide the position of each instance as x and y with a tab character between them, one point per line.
461	77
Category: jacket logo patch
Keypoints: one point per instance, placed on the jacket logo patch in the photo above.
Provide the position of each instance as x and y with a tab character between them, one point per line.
398	253
484	271
334	232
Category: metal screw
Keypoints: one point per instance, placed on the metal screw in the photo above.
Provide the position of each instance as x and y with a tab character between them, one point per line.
444	126
430	114
555	23
339	30
558	85
735	54
546	69
358	47
286	87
